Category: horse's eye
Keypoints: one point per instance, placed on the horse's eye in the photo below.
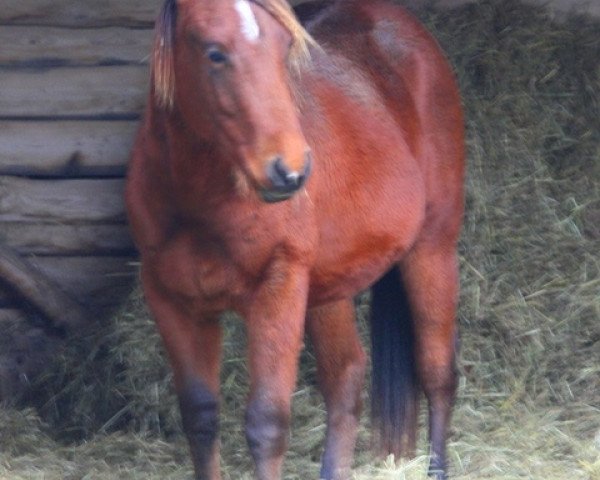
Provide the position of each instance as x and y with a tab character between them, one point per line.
216	56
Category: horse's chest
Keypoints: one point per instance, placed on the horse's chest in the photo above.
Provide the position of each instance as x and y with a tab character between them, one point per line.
199	280
213	274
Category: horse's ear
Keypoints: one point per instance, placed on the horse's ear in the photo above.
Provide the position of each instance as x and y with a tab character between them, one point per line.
163	69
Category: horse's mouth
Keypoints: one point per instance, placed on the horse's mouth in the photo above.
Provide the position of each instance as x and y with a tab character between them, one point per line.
282	193
274	196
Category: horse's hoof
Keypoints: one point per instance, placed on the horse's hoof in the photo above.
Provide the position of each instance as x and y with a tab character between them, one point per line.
437	474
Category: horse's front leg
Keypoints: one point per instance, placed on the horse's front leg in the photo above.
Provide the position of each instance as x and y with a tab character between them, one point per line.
194	348
275	325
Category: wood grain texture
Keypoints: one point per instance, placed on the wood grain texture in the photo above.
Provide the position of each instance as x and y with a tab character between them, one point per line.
39	46
79	12
61	201
75	92
40	291
43	239
65	148
98	283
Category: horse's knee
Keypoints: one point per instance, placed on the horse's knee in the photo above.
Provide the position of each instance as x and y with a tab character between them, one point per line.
267	429
439	380
200	415
351	383
359	369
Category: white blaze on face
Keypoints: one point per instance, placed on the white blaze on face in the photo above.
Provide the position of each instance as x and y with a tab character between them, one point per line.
249	25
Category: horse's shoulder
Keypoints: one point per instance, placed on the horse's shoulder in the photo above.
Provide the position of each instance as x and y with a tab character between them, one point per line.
145	193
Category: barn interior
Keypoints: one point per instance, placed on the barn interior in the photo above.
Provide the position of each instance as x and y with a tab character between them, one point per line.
92	398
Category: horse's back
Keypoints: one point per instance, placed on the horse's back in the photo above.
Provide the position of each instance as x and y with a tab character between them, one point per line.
412	85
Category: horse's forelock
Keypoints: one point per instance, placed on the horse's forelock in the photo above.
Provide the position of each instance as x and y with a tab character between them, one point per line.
163	69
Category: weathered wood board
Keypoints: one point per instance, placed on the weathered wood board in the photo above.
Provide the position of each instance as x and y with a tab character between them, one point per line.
101	292
73	92
39	46
66	13
65	148
83	239
73	273
61	201
73	82
48	297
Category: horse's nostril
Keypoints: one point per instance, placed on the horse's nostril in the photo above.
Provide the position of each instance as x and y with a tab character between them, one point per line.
281	176
285	179
293	178
280	168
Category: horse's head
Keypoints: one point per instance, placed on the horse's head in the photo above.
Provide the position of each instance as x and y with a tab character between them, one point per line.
223	65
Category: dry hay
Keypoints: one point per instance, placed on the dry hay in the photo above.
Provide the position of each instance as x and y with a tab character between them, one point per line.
529	398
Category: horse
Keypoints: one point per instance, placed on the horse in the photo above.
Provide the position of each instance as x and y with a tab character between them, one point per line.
280	169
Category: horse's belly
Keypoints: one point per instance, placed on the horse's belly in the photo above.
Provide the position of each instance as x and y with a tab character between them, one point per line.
333	284
353	258
362	234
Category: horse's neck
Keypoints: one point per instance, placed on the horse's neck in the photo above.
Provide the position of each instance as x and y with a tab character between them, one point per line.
195	168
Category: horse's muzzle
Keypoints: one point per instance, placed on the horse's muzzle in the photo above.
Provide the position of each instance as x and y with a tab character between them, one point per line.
284	181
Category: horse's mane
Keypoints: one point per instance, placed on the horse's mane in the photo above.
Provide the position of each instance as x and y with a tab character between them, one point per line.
163	75
162	56
284	14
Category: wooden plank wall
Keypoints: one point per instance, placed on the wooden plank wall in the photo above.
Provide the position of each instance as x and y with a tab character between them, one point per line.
73	80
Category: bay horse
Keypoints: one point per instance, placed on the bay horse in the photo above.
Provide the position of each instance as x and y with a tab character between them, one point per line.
279	170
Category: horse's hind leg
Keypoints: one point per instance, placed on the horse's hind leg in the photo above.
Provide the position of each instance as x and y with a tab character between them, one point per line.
194	349
430	275
341	369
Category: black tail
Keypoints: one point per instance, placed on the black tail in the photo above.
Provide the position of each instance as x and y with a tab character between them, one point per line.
394	391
